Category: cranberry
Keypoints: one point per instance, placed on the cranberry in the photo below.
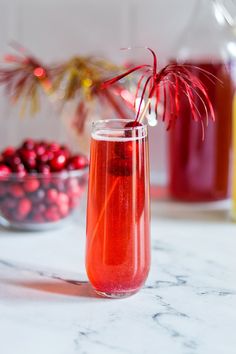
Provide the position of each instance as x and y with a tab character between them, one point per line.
73	187
31	165
40	149
24	208
124	149
77	162
38	218
45	157
16	191
58	162
9	151
120	167
54	147
62	198
28	144
44	169
18	168
130	132
64	209
52	214
27	154
133	124
14	160
4	171
52	195
66	151
31	185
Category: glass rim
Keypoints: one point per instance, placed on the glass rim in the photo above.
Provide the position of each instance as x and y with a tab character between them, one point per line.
95	124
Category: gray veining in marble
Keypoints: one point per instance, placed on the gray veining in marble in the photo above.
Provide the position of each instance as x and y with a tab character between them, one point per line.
188	305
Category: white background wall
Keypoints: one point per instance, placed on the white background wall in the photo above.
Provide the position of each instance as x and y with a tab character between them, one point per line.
56	29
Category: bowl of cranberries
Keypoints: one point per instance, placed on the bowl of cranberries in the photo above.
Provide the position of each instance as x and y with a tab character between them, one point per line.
41	184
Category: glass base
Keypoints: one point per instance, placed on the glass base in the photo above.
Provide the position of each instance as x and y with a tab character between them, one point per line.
116	295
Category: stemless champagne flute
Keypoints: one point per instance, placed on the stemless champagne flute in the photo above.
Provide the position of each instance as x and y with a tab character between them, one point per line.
118	236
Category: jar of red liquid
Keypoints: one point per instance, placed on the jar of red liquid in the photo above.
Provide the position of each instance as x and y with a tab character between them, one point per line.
200	170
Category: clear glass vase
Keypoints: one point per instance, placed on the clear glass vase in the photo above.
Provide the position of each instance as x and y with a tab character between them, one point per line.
200	170
118	241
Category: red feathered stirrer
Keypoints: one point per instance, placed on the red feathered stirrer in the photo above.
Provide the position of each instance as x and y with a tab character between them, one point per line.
167	85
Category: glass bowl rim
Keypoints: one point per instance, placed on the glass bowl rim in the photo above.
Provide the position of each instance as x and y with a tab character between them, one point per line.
60	175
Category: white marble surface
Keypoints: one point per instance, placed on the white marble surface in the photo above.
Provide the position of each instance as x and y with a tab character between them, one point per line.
188	305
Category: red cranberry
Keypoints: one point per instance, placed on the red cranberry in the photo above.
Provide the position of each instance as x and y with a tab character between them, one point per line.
31	185
77	162
120	167
74	189
9	151
125	149
14	161
64	209
44	169
52	214
45	157
62	198
40	149
27	154
38	218
24	208
133	124
52	195
16	191
31	165
58	162
4	171
18	168
28	144
54	147
72	183
66	151
130	132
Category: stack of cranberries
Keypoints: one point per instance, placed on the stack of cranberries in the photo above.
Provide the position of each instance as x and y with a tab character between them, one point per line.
40	182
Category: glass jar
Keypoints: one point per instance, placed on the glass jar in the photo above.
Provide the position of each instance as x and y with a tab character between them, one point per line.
200	170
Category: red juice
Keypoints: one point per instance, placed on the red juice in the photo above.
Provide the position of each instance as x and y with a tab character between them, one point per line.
118	245
199	170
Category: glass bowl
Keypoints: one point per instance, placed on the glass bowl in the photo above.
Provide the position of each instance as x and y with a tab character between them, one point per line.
39	201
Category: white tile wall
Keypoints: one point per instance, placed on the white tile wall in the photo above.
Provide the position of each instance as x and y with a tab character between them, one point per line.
56	29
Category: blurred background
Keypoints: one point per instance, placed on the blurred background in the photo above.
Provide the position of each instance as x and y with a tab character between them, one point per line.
54	30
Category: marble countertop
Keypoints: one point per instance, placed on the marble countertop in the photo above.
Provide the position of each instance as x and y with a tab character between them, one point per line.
188	305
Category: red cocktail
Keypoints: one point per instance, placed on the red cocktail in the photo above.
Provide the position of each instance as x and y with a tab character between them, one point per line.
118	244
